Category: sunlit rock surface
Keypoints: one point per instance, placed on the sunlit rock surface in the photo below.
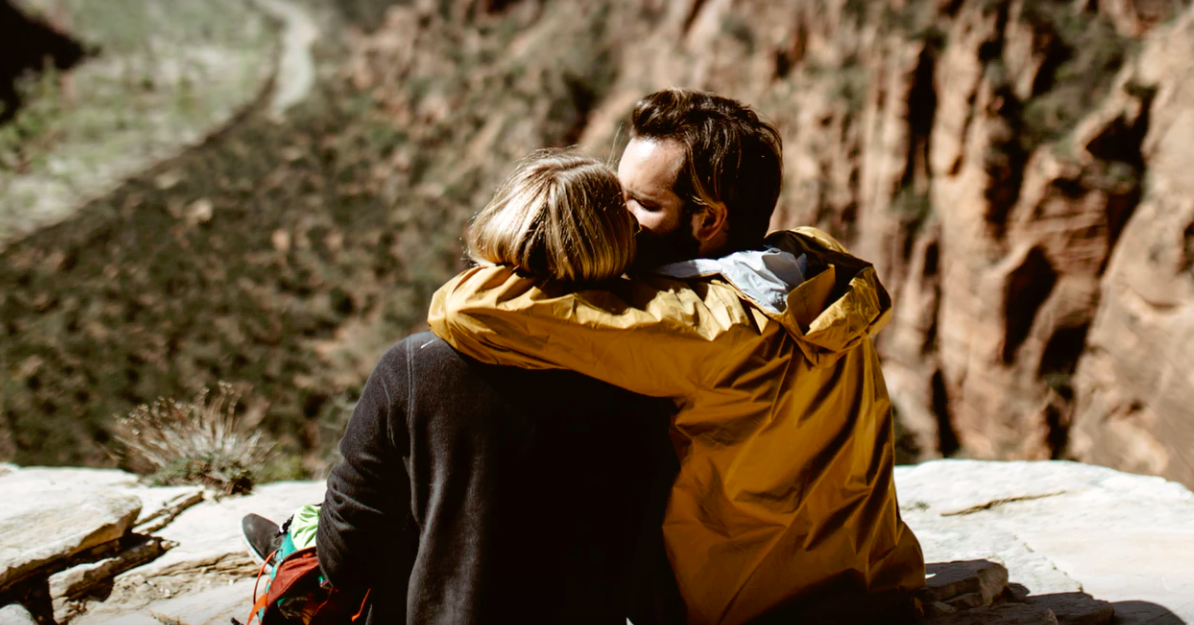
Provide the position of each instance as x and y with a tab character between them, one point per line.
1061	528
1015	543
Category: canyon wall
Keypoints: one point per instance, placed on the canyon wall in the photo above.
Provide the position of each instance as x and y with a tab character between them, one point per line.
1016	170
1020	174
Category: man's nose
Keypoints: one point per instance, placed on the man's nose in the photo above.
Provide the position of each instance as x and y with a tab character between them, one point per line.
637	210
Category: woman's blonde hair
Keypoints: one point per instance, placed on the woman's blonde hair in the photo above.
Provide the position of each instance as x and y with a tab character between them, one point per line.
560	215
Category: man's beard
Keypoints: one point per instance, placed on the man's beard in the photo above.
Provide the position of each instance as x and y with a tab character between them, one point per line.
656	249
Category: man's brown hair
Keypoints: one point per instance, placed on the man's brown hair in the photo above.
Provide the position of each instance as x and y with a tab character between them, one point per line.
731	156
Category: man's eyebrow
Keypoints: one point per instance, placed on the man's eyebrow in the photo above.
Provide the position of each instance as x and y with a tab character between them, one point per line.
642	197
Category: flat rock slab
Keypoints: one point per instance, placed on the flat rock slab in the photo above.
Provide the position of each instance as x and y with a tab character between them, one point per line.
214	606
1061	527
39	530
949	539
210	532
32	480
155	500
209	557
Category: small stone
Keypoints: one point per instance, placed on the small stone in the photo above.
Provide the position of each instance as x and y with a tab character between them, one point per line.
280	240
952	580
198	212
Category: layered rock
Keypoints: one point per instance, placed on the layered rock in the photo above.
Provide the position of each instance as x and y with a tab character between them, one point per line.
1016	172
88	546
50	521
1060	528
1005	543
1133	383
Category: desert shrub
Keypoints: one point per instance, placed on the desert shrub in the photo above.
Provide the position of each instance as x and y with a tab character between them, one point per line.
197	442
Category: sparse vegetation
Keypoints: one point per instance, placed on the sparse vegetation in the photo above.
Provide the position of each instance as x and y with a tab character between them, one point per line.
196	442
285	255
1086	54
851	82
912	207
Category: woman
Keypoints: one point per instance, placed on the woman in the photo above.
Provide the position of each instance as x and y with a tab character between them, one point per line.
471	493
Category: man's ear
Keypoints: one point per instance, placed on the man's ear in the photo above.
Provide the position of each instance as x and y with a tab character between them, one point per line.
710	224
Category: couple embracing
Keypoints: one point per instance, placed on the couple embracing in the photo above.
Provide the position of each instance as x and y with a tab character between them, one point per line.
636	404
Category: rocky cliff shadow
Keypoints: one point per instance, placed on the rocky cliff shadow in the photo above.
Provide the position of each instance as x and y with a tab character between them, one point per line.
977	591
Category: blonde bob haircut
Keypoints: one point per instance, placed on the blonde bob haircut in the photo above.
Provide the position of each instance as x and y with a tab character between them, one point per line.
561	216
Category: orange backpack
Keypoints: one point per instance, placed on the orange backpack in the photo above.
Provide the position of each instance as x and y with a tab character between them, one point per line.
296	592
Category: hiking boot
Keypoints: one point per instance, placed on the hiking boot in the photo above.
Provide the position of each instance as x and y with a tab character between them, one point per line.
262	536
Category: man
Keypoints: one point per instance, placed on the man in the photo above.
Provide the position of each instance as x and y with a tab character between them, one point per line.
784	508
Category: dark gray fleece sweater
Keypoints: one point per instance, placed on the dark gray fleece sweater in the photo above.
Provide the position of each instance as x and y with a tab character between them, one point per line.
471	493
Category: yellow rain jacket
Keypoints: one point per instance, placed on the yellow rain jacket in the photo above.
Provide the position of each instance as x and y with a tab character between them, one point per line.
784	429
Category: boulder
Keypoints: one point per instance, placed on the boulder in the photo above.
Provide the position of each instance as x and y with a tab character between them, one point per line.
971	582
1061	529
207	575
38	532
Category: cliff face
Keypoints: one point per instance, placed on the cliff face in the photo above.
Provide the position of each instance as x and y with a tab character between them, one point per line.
1016	171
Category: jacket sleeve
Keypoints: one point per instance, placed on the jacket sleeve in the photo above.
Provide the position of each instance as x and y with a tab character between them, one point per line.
654	337
367	536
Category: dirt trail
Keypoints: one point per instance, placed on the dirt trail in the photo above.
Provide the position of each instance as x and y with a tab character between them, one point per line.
296	68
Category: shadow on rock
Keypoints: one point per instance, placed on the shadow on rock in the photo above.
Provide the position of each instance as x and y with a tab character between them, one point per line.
1143	612
977	591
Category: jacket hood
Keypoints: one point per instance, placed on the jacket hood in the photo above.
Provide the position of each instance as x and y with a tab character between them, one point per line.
826	299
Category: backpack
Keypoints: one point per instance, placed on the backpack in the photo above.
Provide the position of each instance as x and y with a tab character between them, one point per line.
297	593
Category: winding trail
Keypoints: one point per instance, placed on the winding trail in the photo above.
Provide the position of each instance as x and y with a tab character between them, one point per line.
295	73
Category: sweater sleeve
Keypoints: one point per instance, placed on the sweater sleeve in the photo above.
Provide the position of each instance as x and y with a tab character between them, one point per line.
367	535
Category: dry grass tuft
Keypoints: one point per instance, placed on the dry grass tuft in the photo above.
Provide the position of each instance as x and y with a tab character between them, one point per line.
197	442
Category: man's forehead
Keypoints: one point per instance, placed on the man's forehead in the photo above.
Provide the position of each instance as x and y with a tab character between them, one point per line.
648	162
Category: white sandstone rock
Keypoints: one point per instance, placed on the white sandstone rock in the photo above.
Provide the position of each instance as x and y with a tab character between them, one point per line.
1060	527
42	527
